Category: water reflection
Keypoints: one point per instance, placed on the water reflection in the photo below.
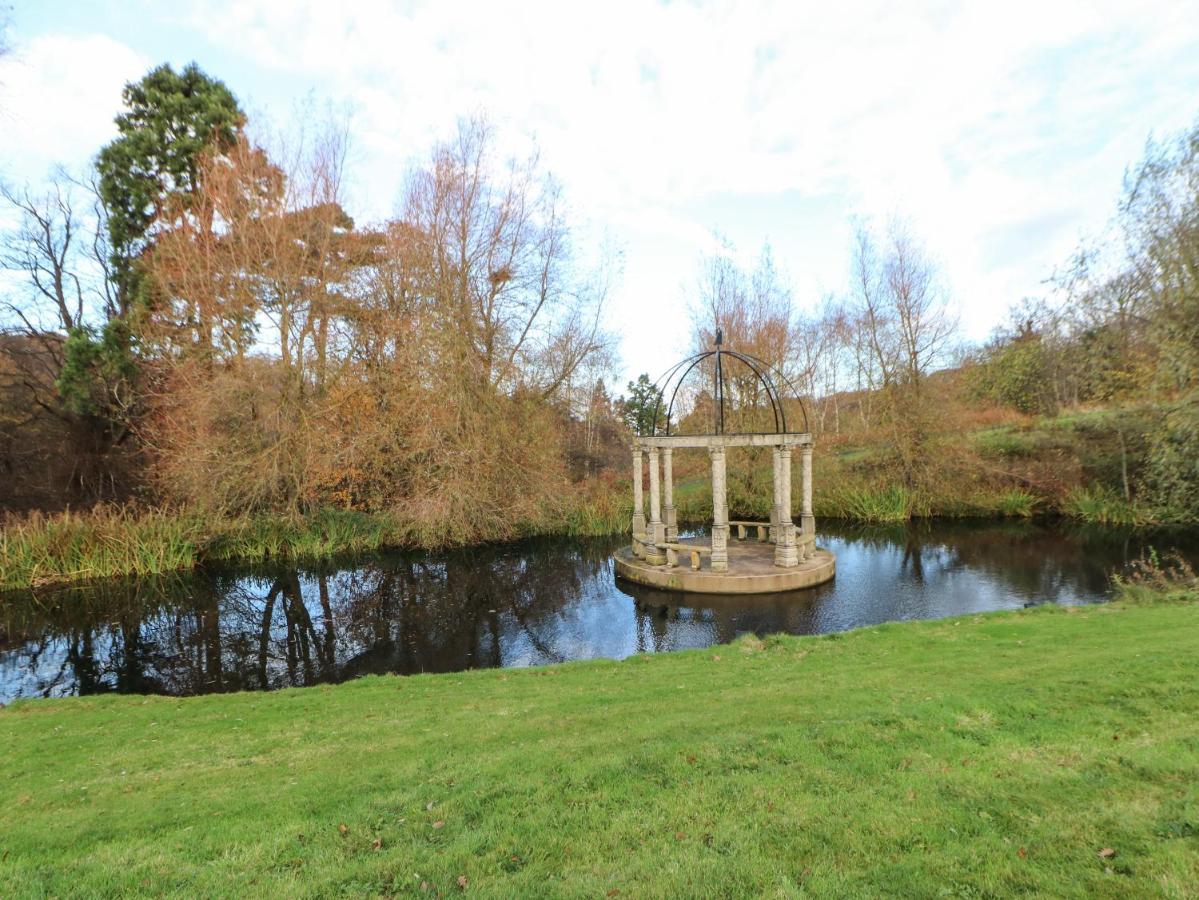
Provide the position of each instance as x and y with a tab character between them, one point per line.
539	602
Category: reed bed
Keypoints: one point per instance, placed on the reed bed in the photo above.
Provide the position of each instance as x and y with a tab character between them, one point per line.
1103	506
42	549
106	541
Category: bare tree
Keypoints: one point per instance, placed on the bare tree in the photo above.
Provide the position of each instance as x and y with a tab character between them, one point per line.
904	330
57	252
518	312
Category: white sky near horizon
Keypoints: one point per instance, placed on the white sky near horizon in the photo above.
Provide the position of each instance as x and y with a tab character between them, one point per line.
1000	132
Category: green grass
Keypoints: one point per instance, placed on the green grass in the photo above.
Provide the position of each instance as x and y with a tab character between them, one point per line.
1103	506
1015	503
975	757
103	542
1008	442
893	504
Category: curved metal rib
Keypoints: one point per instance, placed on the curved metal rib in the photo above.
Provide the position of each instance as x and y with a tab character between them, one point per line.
772	394
803	407
678	384
664	380
768	375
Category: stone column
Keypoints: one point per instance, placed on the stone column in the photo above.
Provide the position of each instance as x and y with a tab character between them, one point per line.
786	553
720	513
657	528
775	515
807	519
669	516
638	504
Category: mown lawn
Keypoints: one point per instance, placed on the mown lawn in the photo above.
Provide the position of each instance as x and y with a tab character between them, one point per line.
1052	752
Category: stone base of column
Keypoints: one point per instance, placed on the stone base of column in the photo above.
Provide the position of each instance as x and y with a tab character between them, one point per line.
720	548
657	534
670	517
638	533
786	554
809	524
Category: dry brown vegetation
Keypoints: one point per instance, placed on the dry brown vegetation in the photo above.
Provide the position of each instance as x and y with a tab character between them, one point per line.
251	350
445	367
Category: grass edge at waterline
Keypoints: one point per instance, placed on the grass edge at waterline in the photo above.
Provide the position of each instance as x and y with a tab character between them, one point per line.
111	541
107	541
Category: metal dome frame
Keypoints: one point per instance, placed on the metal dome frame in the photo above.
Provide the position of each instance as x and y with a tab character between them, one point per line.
672	379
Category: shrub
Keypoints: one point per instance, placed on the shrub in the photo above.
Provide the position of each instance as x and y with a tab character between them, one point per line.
1016	503
894	504
1152	579
1101	505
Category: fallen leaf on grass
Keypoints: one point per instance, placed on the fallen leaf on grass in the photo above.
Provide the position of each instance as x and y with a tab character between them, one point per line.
1107	853
1022	853
439	824
463	881
344	829
378	844
679	835
429	806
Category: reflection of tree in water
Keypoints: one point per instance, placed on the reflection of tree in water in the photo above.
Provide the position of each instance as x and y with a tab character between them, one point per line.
1041	560
267	627
461	610
218	631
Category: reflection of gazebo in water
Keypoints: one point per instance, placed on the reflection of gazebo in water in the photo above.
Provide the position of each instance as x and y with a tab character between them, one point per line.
765	556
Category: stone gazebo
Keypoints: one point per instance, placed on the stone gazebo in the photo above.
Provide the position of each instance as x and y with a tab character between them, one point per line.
763	556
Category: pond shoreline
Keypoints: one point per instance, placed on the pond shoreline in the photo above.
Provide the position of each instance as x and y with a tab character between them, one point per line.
54	550
274	623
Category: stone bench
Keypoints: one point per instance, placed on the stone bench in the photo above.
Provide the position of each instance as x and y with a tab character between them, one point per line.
673	550
763	529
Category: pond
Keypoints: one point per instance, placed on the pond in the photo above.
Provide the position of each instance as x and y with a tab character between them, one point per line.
266	627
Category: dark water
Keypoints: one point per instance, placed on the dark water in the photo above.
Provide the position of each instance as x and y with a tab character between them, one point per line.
260	628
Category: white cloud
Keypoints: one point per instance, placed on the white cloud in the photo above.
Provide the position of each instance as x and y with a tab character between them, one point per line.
58	96
1000	131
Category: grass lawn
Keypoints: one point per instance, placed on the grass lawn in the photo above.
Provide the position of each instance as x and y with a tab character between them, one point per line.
1049	751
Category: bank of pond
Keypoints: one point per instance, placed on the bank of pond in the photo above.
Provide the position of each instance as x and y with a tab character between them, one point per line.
222	628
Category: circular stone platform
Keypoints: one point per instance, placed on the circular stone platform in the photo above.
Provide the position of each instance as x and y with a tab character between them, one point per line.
751	570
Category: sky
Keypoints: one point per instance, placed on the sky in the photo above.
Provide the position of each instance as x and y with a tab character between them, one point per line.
999	132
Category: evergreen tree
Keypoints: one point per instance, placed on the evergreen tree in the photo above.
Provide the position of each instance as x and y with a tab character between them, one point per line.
171	118
639	405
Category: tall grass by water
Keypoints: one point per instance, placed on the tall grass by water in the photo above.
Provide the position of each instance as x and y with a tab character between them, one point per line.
1157	579
894	504
1102	506
106	541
